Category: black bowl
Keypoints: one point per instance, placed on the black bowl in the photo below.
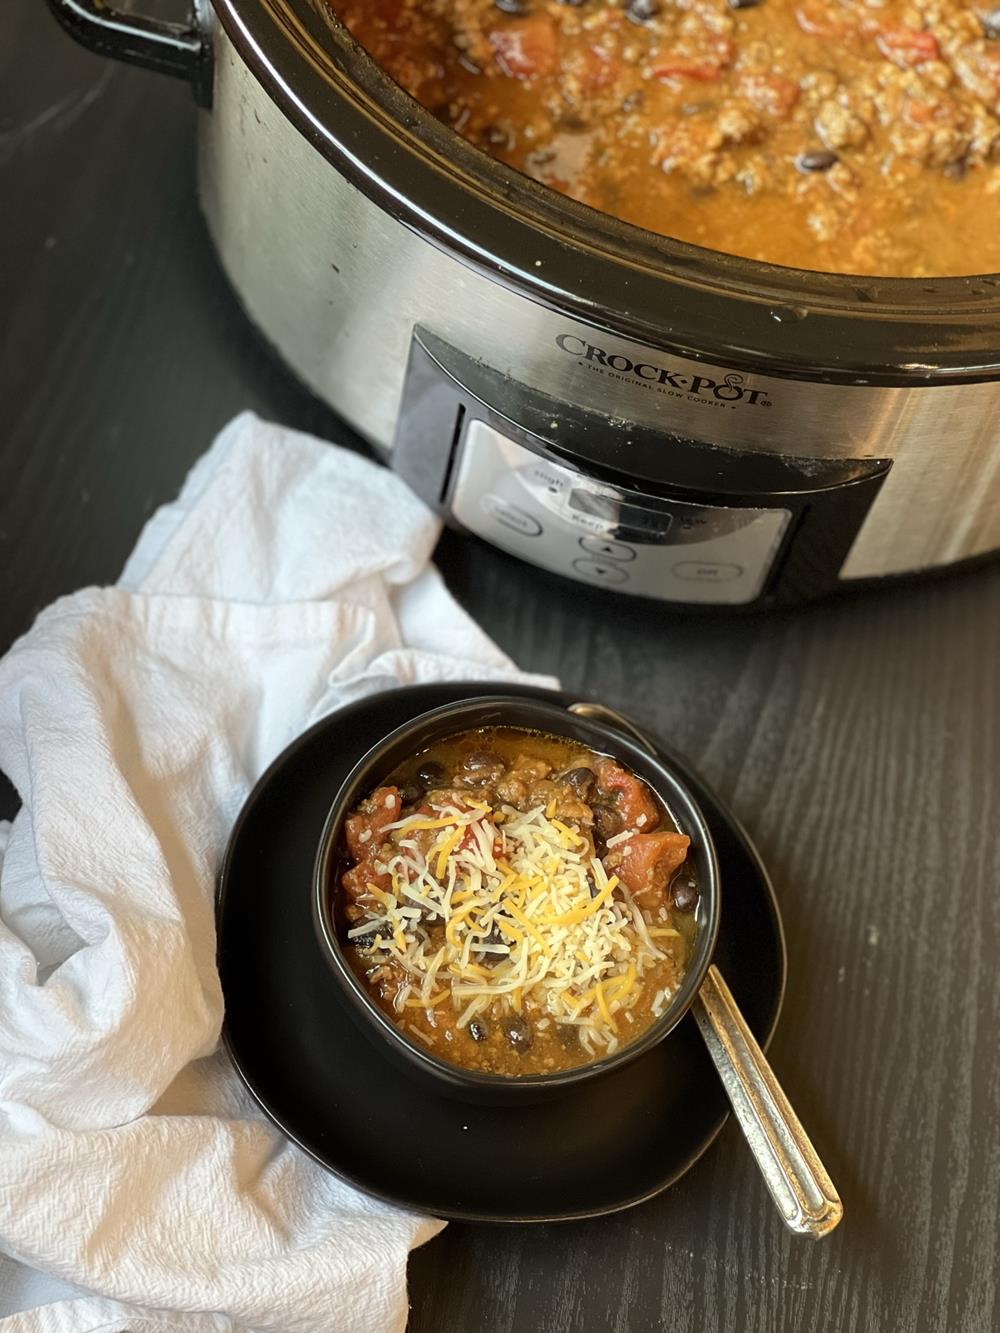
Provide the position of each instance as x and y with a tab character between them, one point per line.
531	715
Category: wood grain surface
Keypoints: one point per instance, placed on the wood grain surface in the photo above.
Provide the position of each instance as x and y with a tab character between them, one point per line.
858	739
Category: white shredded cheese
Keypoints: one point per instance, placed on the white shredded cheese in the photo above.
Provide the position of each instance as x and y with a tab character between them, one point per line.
621	837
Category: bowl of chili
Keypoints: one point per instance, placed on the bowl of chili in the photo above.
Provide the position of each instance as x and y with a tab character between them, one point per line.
514	899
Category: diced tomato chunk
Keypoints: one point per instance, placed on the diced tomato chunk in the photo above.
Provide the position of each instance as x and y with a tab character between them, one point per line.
356	880
356	830
905	47
596	69
770	93
678	68
633	801
362	830
919	113
645	863
525	48
363	834
821	21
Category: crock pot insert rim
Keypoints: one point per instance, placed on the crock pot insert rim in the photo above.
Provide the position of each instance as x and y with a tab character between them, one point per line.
586	263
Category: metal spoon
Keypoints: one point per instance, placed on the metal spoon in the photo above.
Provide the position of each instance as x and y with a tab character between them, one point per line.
799	1184
797	1179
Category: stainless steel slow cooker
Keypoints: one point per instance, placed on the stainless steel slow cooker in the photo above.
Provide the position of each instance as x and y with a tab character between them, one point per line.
629	411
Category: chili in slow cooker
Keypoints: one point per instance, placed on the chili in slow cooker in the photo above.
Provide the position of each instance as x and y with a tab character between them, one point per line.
855	136
516	903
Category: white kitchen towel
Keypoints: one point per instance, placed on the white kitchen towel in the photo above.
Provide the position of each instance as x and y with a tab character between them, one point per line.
288	578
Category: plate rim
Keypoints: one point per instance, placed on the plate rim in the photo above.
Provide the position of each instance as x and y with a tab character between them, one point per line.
460	1214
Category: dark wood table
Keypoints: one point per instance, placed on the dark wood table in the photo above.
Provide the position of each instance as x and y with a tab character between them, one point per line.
859	740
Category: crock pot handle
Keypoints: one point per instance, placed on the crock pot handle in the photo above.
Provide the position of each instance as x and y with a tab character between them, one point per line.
172	48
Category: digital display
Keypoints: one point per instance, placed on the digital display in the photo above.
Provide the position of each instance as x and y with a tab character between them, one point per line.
630	520
644	524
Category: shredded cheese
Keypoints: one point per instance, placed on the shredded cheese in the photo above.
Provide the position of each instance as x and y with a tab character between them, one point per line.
531	919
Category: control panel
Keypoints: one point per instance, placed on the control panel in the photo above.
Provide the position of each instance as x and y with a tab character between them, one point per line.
620	505
568	522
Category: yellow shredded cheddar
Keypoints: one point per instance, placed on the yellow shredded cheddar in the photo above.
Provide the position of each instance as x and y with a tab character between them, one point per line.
579	914
447	847
602	1004
430	1003
538	928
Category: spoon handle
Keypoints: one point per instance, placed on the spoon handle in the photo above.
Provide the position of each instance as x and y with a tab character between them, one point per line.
797	1179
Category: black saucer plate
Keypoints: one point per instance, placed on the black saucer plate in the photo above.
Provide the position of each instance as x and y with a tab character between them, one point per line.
601	1149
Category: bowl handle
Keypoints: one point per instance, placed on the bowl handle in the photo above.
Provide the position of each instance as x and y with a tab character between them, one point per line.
182	49
602	713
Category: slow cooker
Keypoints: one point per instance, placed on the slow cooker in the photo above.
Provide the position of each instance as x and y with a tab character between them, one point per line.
631	412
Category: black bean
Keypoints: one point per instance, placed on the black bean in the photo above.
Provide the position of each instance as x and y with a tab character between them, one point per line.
816	159
592	885
411	792
512	6
581	780
641	11
427	910
684	894
991	25
569	1036
496	935
606	822
478	761
478	1030
430	774
517	1032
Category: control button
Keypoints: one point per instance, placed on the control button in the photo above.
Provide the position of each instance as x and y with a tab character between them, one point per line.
707	571
510	516
601	571
610	550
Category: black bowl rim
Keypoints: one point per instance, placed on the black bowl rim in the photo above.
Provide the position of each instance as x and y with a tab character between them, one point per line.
518	1085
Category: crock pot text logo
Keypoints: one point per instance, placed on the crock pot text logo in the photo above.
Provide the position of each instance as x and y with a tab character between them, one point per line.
729	391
